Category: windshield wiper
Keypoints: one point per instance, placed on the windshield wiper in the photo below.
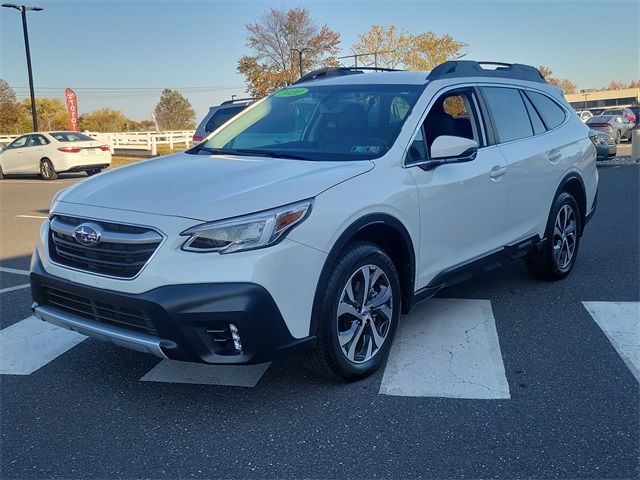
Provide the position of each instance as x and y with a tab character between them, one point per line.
254	152
273	154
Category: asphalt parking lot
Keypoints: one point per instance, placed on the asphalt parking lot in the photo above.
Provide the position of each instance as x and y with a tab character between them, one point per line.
512	378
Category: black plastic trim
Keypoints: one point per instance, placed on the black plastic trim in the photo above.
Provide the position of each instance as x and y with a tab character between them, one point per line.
467	270
182	314
470	68
348	235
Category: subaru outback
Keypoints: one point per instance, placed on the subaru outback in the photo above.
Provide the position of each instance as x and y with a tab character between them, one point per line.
308	223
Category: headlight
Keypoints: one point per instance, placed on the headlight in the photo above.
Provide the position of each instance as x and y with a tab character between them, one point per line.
248	232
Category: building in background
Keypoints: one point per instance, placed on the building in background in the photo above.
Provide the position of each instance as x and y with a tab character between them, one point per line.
604	98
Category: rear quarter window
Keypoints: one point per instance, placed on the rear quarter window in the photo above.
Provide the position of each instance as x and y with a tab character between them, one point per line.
552	114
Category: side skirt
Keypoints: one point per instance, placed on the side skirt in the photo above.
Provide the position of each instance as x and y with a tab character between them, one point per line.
465	271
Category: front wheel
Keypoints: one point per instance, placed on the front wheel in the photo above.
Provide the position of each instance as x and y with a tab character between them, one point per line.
358	314
618	137
47	171
558	255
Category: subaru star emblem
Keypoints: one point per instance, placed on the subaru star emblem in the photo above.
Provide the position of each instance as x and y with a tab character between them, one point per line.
88	234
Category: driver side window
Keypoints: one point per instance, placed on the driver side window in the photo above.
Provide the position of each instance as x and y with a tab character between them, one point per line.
453	114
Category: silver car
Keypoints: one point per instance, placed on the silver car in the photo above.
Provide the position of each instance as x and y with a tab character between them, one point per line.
220	115
615	125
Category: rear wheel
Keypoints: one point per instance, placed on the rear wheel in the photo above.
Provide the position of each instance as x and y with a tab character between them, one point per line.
95	171
47	171
1	174
558	255
358	314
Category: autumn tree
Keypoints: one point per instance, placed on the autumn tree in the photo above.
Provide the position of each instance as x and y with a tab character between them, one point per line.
273	39
51	112
397	48
103	120
10	110
174	112
391	45
614	85
566	85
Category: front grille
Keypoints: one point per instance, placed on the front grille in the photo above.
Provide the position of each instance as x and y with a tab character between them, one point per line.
101	312
121	252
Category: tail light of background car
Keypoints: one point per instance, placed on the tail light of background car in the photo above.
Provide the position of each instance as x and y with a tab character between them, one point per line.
70	149
104	148
197	138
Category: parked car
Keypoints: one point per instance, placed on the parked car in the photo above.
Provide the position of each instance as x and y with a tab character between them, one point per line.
51	153
636	112
310	221
605	145
615	125
624	112
219	115
584	115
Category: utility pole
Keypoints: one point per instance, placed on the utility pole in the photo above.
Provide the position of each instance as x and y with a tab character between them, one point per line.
23	10
300	51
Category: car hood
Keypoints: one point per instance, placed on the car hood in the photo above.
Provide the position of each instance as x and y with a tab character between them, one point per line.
212	187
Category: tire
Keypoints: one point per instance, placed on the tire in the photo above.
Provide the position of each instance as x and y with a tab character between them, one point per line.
618	137
93	172
1	174
558	255
47	171
347	348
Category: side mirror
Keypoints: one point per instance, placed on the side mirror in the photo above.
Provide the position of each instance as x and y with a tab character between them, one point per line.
453	149
450	149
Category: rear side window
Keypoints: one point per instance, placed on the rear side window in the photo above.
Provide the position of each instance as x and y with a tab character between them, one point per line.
552	114
221	117
509	113
536	121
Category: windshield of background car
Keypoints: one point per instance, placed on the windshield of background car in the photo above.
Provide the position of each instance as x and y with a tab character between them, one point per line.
337	122
71	137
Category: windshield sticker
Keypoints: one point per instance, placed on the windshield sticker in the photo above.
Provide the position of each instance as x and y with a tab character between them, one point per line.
291	92
365	149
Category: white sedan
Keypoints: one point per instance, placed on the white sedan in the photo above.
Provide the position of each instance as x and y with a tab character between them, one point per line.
51	153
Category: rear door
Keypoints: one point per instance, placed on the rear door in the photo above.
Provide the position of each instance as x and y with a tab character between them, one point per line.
526	125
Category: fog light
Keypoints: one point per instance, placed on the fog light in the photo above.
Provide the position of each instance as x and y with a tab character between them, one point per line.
236	337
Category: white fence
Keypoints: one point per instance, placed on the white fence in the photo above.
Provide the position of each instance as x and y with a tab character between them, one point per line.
147	141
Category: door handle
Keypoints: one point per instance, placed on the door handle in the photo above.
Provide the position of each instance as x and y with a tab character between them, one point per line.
554	156
497	171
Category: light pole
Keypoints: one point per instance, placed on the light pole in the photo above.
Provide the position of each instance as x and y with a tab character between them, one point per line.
300	51
23	10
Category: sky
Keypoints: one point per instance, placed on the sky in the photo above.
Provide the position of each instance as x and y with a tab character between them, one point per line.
120	54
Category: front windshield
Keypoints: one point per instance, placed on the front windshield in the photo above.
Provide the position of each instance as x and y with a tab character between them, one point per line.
343	122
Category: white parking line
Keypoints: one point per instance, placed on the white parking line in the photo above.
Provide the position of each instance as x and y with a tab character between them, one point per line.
447	348
31	343
13	289
620	322
172	371
39	217
14	271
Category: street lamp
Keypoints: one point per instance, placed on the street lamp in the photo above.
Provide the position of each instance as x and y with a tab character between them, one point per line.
300	51
23	10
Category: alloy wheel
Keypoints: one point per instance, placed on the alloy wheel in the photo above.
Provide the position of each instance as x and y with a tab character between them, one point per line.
365	310
564	237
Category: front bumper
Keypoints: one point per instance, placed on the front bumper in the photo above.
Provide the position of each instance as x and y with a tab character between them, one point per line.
182	319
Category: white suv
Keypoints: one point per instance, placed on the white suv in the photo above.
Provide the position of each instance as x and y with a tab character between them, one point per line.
310	221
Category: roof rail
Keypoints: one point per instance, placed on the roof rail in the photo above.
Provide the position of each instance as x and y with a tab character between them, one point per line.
469	68
327	72
234	100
